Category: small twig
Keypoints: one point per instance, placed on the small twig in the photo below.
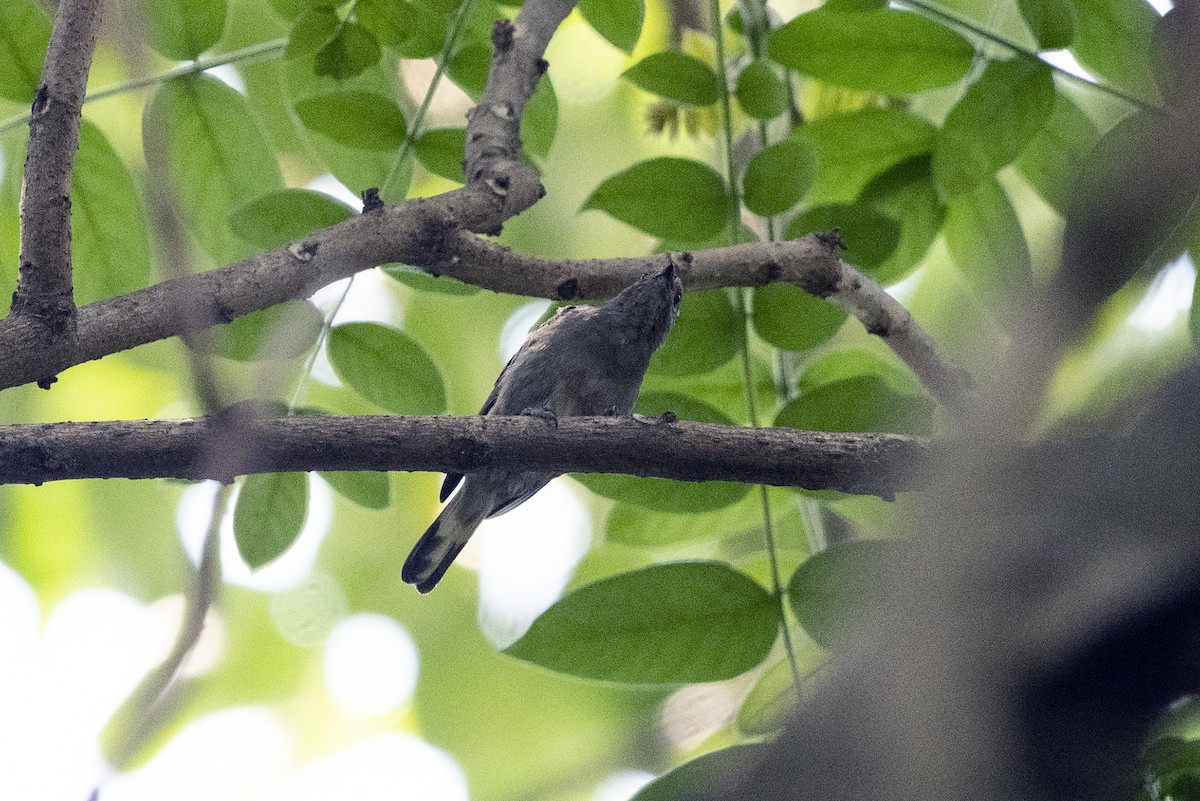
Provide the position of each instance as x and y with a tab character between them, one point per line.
44	282
873	464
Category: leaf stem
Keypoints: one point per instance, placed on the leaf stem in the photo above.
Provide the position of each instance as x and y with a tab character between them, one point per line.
187	68
742	306
1012	46
443	59
306	372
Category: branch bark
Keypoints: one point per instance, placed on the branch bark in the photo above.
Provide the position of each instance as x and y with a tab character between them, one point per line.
872	464
44	290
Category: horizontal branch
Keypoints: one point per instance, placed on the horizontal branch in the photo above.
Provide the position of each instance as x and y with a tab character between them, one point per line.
866	464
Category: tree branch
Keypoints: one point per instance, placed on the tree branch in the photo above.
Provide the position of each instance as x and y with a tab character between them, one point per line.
871	464
44	282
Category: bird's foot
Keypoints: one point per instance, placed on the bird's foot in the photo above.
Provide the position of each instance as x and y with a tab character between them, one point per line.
542	413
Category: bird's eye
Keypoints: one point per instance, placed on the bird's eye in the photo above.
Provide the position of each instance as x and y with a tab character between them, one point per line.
678	298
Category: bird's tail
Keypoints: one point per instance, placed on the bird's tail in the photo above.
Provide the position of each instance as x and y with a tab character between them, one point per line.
440	544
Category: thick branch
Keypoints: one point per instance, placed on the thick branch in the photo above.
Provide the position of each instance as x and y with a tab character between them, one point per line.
871	464
44	283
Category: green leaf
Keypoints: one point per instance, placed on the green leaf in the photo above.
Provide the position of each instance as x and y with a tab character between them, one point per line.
778	176
110	245
870	236
183	29
391	21
442	152
706	334
351	52
760	92
1052	22
986	242
367	488
283	331
884	50
387	367
1056	156
1173	55
832	591
855	147
539	123
286	215
905	192
992	123
202	143
692	779
364	120
667	624
858	404
663	494
667	197
311	31
618	21
418	279
468	68
24	37
723	388
1113	41
425	34
836	365
789	318
290	9
269	515
774	696
679	77
638	527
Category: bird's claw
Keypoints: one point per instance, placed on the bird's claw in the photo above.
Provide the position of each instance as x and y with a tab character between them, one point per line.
542	413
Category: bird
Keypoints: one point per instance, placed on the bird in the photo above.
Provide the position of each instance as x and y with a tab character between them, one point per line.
585	360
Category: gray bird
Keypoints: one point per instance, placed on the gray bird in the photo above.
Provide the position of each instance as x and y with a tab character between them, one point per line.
586	360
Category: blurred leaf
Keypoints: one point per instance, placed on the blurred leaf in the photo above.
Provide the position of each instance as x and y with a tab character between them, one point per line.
723	388
706	334
987	243
1112	40
202	143
468	67
1173	55
618	21
283	331
677	76
836	365
760	92
789	318
286	215
667	624
992	123
367	488
350	52
391	21
290	9
387	367
364	120
422	281
774	696
778	176
905	193
183	29
667	197
442	152
869	236
1052	22
1194	314
311	31
885	50
703	773
859	404
540	121
1055	157
425	33
24	37
639	527
268	516
663	494
833	590
110	245
854	147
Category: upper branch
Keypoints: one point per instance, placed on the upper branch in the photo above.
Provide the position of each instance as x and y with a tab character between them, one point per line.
44	282
872	464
